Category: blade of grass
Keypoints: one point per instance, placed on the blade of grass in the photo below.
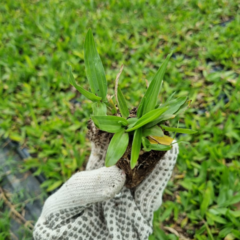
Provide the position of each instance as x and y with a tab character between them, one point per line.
159	147
178	130
110	124
131	122
94	68
84	92
140	107
170	97
184	107
147	146
173	106
111	105
148	117
99	109
136	147
116	148
154	89
121	102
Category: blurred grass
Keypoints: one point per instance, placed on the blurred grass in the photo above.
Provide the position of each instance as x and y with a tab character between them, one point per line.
38	39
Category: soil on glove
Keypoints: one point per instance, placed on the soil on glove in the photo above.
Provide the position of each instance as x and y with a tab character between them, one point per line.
146	161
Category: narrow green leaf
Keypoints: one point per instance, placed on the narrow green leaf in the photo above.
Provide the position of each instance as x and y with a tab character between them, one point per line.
54	185
131	122
209	231
173	107
99	109
159	147
94	68
178	130
146	144
140	107
124	123
122	104
206	199
154	131
180	141
236	233
216	218
235	199
170	97
152	93
175	104
111	105
84	92
136	147
148	117
183	108
231	217
223	233
116	148
110	124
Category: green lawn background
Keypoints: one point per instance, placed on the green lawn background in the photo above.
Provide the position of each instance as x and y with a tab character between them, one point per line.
38	106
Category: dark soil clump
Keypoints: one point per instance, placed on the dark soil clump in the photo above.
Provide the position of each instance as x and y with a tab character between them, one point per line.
146	161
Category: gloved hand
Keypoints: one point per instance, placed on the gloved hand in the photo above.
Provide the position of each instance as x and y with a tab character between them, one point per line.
94	204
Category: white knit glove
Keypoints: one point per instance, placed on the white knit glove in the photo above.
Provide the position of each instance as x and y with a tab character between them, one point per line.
94	204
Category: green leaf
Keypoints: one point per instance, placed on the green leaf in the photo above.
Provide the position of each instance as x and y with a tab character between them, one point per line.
225	231
111	105
151	96
209	231
183	108
131	120
236	233
84	92
235	199
147	146
216	218
206	199
99	109
140	107
110	124
232	218
116	148
178	130
54	185
159	147
122	104
15	137
170	97
173	107
154	131
175	104
136	147
148	117
94	68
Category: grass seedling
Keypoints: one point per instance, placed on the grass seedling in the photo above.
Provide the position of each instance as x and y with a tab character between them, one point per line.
137	134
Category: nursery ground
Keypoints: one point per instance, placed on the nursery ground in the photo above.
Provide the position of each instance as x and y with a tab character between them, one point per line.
41	111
